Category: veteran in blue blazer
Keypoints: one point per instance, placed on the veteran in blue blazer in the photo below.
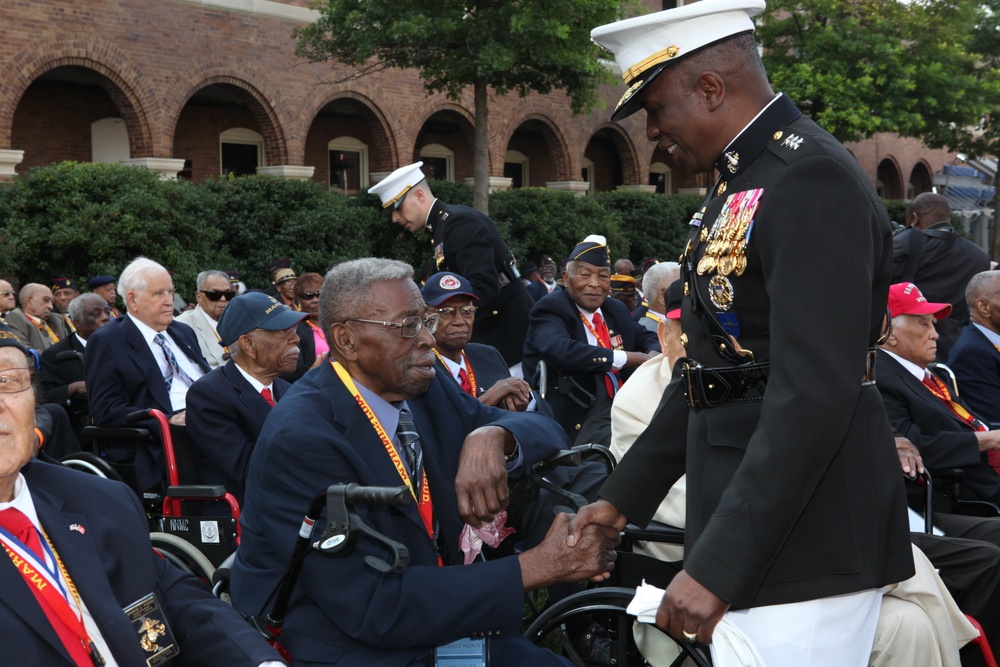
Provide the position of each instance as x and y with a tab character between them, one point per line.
99	553
128	370
339	424
227	407
975	358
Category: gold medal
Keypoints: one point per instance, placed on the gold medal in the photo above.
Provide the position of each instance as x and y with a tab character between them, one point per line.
741	265
726	265
706	265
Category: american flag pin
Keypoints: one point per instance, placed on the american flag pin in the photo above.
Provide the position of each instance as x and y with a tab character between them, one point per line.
78	528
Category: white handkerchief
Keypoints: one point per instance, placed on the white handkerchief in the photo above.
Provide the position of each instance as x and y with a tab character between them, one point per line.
730	647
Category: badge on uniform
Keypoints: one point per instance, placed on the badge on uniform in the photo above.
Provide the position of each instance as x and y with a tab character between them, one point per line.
155	637
466	652
439	255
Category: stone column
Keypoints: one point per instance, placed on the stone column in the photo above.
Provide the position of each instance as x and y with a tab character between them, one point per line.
8	161
576	187
637	187
287	171
166	167
495	183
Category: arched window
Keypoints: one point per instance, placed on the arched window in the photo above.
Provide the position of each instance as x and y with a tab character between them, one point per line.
659	175
515	167
348	164
587	174
439	162
241	151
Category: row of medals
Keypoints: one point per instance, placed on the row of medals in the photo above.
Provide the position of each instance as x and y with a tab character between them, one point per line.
726	253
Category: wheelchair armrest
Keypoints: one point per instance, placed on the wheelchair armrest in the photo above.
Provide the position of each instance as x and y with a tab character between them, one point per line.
116	433
564	457
196	491
655	532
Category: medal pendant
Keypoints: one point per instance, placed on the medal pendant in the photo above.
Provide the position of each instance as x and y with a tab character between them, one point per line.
720	292
726	265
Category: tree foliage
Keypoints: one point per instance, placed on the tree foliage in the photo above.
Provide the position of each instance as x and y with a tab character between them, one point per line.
503	45
858	67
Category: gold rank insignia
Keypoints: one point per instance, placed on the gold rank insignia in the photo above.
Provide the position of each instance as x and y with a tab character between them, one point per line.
778	135
721	190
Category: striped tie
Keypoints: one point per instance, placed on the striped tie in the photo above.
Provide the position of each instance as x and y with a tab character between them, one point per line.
409	440
173	368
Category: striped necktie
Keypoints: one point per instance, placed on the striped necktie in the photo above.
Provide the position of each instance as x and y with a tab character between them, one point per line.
173	368
409	440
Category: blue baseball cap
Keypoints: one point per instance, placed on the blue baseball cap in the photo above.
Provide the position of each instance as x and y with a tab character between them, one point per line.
444	285
97	281
255	310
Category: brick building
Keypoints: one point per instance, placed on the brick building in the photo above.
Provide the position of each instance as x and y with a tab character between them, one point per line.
203	87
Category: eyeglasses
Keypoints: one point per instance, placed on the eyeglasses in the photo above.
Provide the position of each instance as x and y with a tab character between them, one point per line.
308	296
448	314
14	380
216	294
7	293
409	327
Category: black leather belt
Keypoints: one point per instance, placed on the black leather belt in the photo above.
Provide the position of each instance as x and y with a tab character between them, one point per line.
710	387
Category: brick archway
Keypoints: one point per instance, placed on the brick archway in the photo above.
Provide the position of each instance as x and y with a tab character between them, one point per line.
264	114
627	154
555	142
384	148
119	78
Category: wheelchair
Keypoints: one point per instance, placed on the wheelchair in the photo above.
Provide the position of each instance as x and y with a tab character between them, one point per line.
342	530
179	529
595	621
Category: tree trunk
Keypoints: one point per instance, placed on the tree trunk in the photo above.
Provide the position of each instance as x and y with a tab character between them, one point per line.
481	151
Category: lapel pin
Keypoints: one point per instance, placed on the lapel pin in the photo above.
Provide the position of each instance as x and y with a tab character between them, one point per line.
78	528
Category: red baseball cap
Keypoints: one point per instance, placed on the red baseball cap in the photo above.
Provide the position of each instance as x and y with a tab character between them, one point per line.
906	299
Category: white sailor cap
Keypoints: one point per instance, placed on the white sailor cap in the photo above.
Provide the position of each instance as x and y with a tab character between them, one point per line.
643	46
392	188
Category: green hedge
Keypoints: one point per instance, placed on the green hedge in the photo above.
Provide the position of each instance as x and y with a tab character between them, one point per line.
83	220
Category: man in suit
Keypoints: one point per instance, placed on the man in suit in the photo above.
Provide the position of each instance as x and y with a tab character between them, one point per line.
80	556
478	369
214	293
38	327
589	343
933	255
975	358
105	286
454	453
142	360
63	292
63	382
777	387
8	298
546	282
465	242
921	407
227	407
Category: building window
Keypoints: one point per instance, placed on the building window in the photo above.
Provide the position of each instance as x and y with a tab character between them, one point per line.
109	141
515	167
348	164
659	175
587	174
241	151
439	162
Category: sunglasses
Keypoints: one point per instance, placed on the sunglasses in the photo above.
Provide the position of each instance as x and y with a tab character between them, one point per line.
308	296
215	294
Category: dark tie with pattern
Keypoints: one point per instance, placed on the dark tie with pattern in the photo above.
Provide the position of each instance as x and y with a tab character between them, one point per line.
173	368
409	440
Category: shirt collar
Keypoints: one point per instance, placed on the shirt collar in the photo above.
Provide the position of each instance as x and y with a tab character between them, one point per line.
254	382
148	333
991	336
915	370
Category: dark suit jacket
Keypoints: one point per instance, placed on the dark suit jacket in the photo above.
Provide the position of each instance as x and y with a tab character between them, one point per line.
56	376
797	495
557	336
466	242
317	435
944	440
112	563
976	363
537	289
947	263
224	417
123	377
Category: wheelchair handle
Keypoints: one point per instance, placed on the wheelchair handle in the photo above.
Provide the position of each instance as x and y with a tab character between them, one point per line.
68	355
355	494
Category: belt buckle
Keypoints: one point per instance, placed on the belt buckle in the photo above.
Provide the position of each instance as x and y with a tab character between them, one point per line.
689	369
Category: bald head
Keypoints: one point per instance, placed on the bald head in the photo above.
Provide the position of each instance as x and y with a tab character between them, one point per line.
927	209
36	300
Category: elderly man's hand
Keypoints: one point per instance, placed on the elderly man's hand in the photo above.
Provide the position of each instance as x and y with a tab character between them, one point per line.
689	608
554	561
909	457
512	394
178	418
481	482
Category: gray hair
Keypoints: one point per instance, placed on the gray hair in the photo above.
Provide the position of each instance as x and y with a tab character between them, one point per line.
978	285
77	305
203	277
133	278
346	287
658	277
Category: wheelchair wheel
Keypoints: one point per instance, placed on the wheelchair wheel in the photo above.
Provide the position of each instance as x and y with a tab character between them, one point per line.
91	464
601	613
184	555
